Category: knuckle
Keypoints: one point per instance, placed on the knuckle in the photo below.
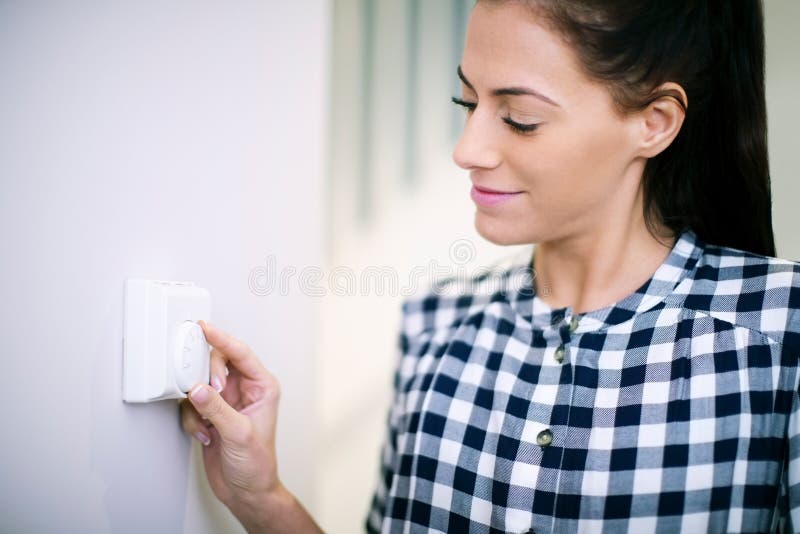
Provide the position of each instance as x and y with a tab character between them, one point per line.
273	392
245	349
190	420
185	412
232	343
276	387
218	368
215	409
217	357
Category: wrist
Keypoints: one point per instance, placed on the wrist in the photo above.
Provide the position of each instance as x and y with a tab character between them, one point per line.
277	511
256	510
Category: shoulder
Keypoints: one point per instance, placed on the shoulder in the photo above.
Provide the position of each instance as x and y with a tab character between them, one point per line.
449	301
431	318
758	292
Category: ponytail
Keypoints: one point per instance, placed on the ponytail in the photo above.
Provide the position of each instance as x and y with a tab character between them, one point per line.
714	176
719	160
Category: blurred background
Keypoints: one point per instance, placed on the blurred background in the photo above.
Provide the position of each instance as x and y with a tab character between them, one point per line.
294	158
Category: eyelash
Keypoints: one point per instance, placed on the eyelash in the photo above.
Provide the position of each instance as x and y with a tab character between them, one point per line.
516	126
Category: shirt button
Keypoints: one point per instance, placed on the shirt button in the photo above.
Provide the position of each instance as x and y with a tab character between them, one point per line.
573	324
544	438
559	355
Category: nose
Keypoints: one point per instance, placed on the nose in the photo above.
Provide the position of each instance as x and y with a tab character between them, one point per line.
477	147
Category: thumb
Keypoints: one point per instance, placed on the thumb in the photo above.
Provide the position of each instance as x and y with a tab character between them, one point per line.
210	404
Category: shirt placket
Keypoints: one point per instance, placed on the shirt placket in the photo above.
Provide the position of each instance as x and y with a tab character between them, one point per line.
566	325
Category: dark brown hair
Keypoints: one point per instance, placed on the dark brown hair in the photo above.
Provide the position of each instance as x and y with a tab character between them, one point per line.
714	176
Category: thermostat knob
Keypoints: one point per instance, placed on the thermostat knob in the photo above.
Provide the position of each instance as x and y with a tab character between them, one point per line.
191	356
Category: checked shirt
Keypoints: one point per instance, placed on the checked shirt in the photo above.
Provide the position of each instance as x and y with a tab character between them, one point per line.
674	409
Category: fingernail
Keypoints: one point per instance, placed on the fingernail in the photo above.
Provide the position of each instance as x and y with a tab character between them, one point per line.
199	393
217	383
202	438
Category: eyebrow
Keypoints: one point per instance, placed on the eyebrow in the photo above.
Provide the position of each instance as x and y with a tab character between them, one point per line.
511	91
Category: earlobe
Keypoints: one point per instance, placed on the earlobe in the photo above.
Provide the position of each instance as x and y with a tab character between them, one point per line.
662	119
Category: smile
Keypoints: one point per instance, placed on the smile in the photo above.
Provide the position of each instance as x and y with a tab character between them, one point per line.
485	197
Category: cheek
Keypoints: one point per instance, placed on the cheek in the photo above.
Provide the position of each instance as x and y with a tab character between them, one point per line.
576	165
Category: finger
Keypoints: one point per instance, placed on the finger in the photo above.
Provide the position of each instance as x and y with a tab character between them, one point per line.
193	424
218	374
191	421
233	350
231	425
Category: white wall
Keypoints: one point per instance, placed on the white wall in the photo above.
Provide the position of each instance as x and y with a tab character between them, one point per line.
783	115
166	139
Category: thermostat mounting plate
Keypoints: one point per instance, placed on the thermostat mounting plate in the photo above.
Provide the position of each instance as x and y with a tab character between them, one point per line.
164	350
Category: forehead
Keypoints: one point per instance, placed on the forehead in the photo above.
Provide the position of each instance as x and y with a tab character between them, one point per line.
507	44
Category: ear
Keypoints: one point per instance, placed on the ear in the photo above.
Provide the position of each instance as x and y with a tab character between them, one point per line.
661	120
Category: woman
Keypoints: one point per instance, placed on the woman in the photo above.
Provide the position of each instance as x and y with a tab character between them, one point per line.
646	378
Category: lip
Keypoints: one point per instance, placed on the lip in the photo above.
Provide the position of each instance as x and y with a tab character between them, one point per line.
490	190
488	197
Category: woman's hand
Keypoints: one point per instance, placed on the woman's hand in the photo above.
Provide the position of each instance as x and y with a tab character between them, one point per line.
235	421
237	426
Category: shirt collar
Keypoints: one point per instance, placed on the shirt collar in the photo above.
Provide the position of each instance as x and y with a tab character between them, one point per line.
680	262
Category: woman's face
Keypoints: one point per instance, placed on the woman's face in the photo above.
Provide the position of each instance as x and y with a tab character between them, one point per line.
570	156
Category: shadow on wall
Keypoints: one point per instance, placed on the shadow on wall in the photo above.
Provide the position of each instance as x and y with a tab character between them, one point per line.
161	455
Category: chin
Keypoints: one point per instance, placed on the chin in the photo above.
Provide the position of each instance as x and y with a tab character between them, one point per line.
501	232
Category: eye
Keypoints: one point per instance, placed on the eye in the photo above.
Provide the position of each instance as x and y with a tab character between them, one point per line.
469	107
519	127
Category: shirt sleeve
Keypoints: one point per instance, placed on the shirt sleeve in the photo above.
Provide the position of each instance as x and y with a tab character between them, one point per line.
788	506
388	452
789	500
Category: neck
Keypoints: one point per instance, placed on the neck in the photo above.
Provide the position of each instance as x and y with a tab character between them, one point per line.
597	268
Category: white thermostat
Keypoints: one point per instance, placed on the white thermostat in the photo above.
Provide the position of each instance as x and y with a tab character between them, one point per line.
164	349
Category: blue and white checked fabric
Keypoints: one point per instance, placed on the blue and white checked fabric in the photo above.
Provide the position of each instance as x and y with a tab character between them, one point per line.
674	409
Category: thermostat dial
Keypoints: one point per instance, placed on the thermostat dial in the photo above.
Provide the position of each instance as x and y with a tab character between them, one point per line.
191	356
